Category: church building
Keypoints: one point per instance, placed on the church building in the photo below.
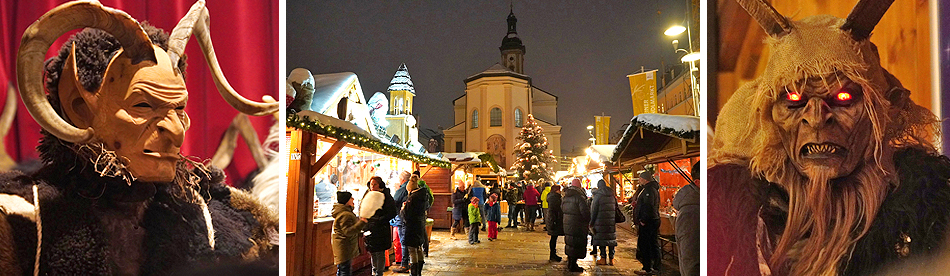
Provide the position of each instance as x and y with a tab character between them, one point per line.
496	103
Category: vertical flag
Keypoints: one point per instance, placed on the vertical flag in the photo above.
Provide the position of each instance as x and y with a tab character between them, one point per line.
602	129
643	92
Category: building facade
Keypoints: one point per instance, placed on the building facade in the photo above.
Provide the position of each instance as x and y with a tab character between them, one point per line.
496	104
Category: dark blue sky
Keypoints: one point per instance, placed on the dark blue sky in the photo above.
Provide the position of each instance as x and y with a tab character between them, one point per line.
580	51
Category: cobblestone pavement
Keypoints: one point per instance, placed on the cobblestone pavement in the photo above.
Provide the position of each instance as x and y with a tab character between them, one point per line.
518	252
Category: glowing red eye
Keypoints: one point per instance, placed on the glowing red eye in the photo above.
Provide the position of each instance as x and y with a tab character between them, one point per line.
794	97
844	96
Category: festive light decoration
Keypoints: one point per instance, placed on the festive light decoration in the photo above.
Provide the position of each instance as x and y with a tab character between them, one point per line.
313	126
532	154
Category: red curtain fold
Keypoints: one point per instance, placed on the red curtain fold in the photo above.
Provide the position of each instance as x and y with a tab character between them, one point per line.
245	36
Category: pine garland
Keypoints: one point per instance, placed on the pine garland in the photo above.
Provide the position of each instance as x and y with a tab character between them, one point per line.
313	126
532	155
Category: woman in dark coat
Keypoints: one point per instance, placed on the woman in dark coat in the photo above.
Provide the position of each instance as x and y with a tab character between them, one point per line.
555	218
459	209
603	208
380	235
414	216
576	220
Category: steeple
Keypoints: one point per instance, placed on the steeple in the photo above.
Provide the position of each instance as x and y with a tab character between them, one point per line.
401	92
512	50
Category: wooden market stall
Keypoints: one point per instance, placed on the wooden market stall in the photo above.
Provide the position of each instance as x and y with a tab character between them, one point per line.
328	154
669	144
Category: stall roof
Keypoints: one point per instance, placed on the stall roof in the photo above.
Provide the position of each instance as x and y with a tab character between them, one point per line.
342	130
606	152
658	137
471	158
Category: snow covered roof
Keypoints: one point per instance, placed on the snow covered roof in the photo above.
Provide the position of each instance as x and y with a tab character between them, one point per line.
327	87
497	70
327	120
606	152
680	126
458	157
402	80
658	132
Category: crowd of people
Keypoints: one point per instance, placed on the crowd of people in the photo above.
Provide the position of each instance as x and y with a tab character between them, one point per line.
565	211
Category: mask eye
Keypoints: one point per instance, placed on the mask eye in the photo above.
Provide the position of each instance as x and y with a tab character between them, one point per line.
847	95
795	97
844	96
143	104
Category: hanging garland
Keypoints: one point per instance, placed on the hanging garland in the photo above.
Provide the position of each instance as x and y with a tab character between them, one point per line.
294	120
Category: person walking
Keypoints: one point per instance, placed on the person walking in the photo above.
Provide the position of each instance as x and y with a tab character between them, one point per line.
513	195
686	203
576	219
493	217
474	218
478	190
402	252
531	197
459	209
346	233
555	218
379	235
648	220
603	208
416	176
414	218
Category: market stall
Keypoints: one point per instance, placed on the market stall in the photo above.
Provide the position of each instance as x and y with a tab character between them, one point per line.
668	145
335	145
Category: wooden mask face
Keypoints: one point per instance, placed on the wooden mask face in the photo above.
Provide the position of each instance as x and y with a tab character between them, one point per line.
138	112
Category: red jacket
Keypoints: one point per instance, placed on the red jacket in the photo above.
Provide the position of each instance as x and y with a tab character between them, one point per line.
531	196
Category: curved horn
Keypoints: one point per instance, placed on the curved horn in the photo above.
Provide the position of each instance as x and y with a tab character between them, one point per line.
197	22
773	22
225	152
9	111
38	38
864	17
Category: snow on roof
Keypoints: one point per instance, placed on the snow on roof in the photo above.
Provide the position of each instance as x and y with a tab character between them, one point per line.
327	120
682	126
497	68
463	156
606	151
327	87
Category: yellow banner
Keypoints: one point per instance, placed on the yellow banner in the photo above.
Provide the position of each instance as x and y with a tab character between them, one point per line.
643	92
602	128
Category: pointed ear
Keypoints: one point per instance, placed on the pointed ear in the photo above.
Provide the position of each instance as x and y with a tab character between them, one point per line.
72	95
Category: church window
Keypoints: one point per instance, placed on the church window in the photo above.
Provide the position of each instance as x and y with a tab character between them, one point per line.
495	117
518	120
458	147
475	118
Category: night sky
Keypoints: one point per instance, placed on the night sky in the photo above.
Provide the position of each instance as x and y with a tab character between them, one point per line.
576	50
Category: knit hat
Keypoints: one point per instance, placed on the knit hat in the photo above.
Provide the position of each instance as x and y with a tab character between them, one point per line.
576	183
343	197
646	175
555	188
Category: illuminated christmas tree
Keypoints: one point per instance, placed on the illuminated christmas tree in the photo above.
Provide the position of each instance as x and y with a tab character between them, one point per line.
532	155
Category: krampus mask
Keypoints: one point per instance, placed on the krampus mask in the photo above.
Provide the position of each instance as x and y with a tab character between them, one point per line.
824	124
138	111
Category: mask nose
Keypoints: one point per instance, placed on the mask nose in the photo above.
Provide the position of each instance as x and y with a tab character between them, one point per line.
172	127
817	113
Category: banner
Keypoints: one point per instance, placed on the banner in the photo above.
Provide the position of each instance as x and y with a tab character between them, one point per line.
602	129
643	92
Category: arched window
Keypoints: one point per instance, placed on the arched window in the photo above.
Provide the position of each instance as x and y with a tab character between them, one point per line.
475	118
518	120
495	117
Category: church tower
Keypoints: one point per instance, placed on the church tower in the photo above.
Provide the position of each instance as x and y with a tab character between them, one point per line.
512	50
401	92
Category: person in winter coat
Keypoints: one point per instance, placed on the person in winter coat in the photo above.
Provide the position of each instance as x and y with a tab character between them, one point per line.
493	207
648	219
531	201
416	176
459	209
479	191
513	195
414	218
555	218
380	237
686	203
474	218
402	252
603	208
544	202
346	233
576	219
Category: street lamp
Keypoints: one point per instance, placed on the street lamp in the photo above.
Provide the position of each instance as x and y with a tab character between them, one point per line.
675	30
590	130
691	57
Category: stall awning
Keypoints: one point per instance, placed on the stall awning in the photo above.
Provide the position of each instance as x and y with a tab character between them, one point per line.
342	130
654	138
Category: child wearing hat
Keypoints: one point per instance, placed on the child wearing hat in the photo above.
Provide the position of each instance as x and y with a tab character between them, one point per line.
475	219
346	231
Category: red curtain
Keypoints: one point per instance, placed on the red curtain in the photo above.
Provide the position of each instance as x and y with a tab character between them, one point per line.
245	36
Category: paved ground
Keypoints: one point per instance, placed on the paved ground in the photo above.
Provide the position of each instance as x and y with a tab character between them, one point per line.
517	252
